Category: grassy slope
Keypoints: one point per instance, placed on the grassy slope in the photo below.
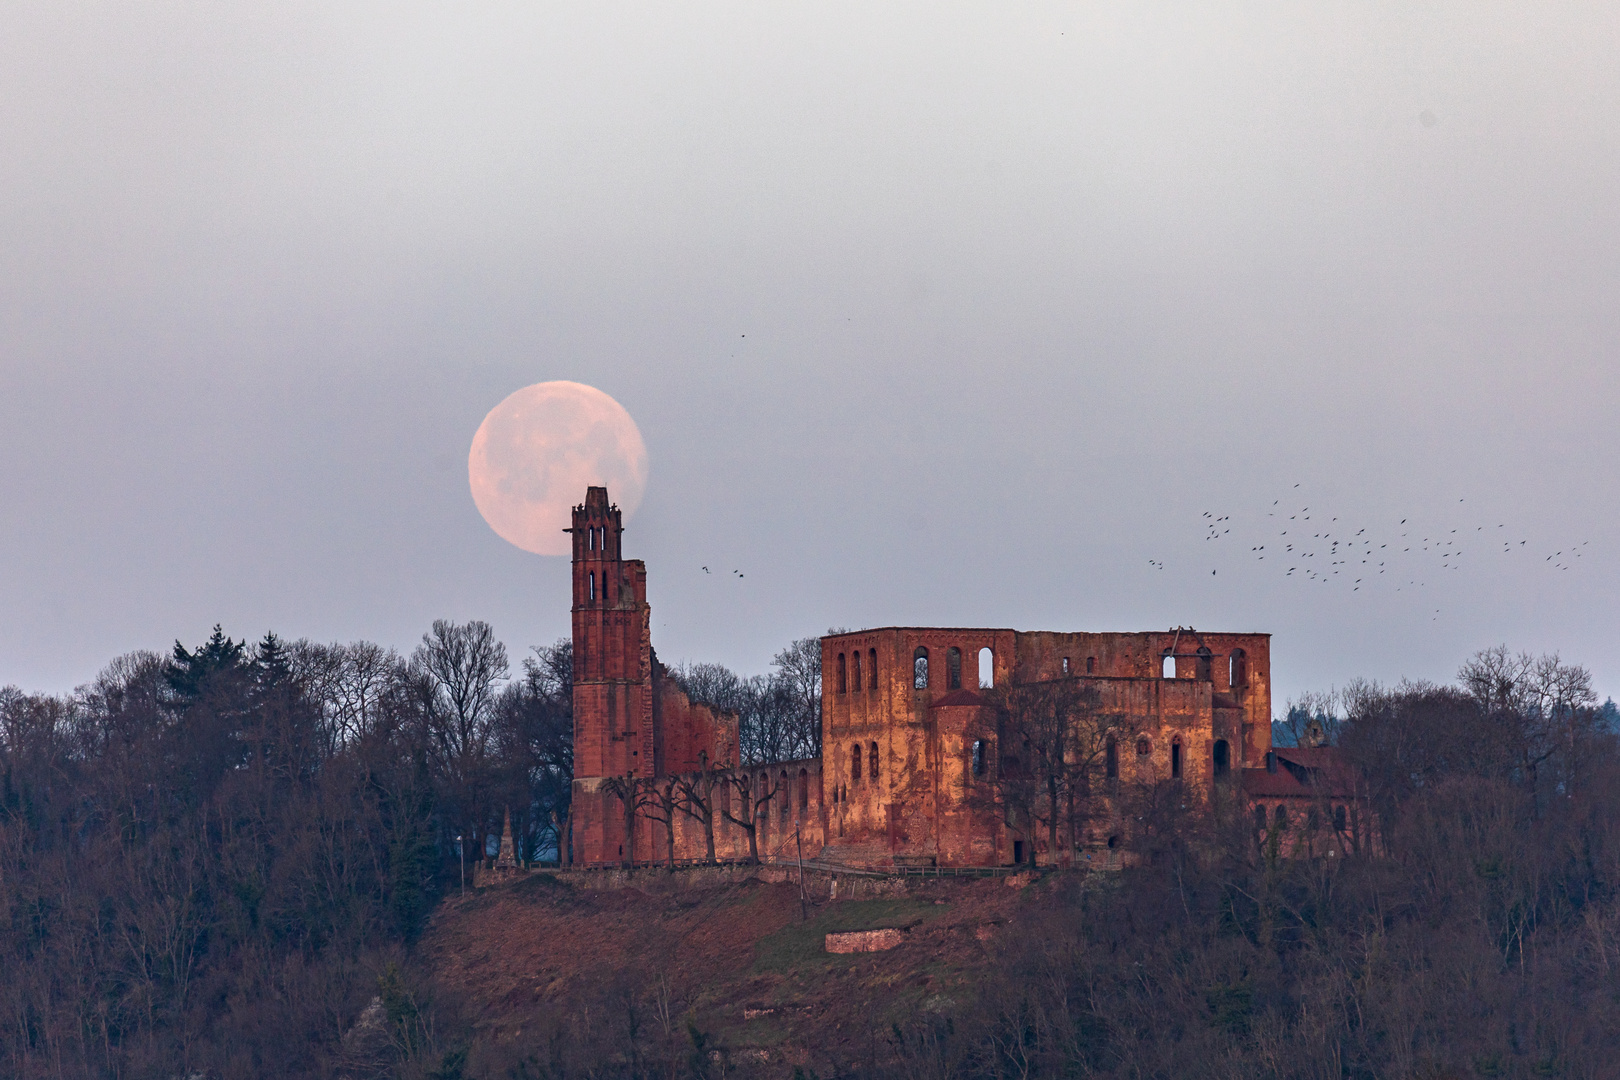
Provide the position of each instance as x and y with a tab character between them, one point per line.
733	958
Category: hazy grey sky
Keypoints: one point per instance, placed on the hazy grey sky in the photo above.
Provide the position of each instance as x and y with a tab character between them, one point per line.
933	313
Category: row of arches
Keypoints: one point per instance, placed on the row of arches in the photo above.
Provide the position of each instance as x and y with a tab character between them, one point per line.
1220	756
1237	673
851	664
857	671
596	539
1278	818
591	586
979	754
786	794
1144	750
920	679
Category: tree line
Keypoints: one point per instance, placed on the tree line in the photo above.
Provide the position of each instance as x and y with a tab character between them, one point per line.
204	850
216	862
1050	765
1480	938
778	714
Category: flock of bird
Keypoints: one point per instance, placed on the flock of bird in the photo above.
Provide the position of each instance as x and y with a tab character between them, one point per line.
1307	542
1310	544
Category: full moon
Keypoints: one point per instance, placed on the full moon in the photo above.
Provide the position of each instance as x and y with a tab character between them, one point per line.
536	453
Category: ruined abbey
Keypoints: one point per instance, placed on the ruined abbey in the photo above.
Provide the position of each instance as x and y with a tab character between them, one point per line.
912	740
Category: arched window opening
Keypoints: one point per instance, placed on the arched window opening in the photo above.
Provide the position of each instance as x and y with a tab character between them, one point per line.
592	577
1111	758
1091	664
1144	746
855	675
953	668
1175	760
1113	842
919	668
987	669
977	757
1223	757
1206	660
872	762
871	656
1239	668
1259	819
1338	819
843	676
590	539
1065	667
855	763
1169	671
1281	816
784	795
804	791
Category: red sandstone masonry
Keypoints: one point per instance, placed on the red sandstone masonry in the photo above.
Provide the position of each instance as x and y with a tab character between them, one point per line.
894	785
859	941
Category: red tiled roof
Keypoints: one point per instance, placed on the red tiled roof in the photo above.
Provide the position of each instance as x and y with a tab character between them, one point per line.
1274	785
958	697
1303	772
1312	757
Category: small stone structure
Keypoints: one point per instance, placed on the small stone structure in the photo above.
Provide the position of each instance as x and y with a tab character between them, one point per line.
857	941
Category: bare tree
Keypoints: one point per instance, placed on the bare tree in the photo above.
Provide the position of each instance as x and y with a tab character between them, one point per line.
1545	702
696	792
348	683
458	669
712	684
779	715
768	729
798	673
754	801
661	802
535	748
631	791
1049	737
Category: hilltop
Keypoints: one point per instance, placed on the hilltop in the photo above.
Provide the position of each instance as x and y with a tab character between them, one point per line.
557	968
